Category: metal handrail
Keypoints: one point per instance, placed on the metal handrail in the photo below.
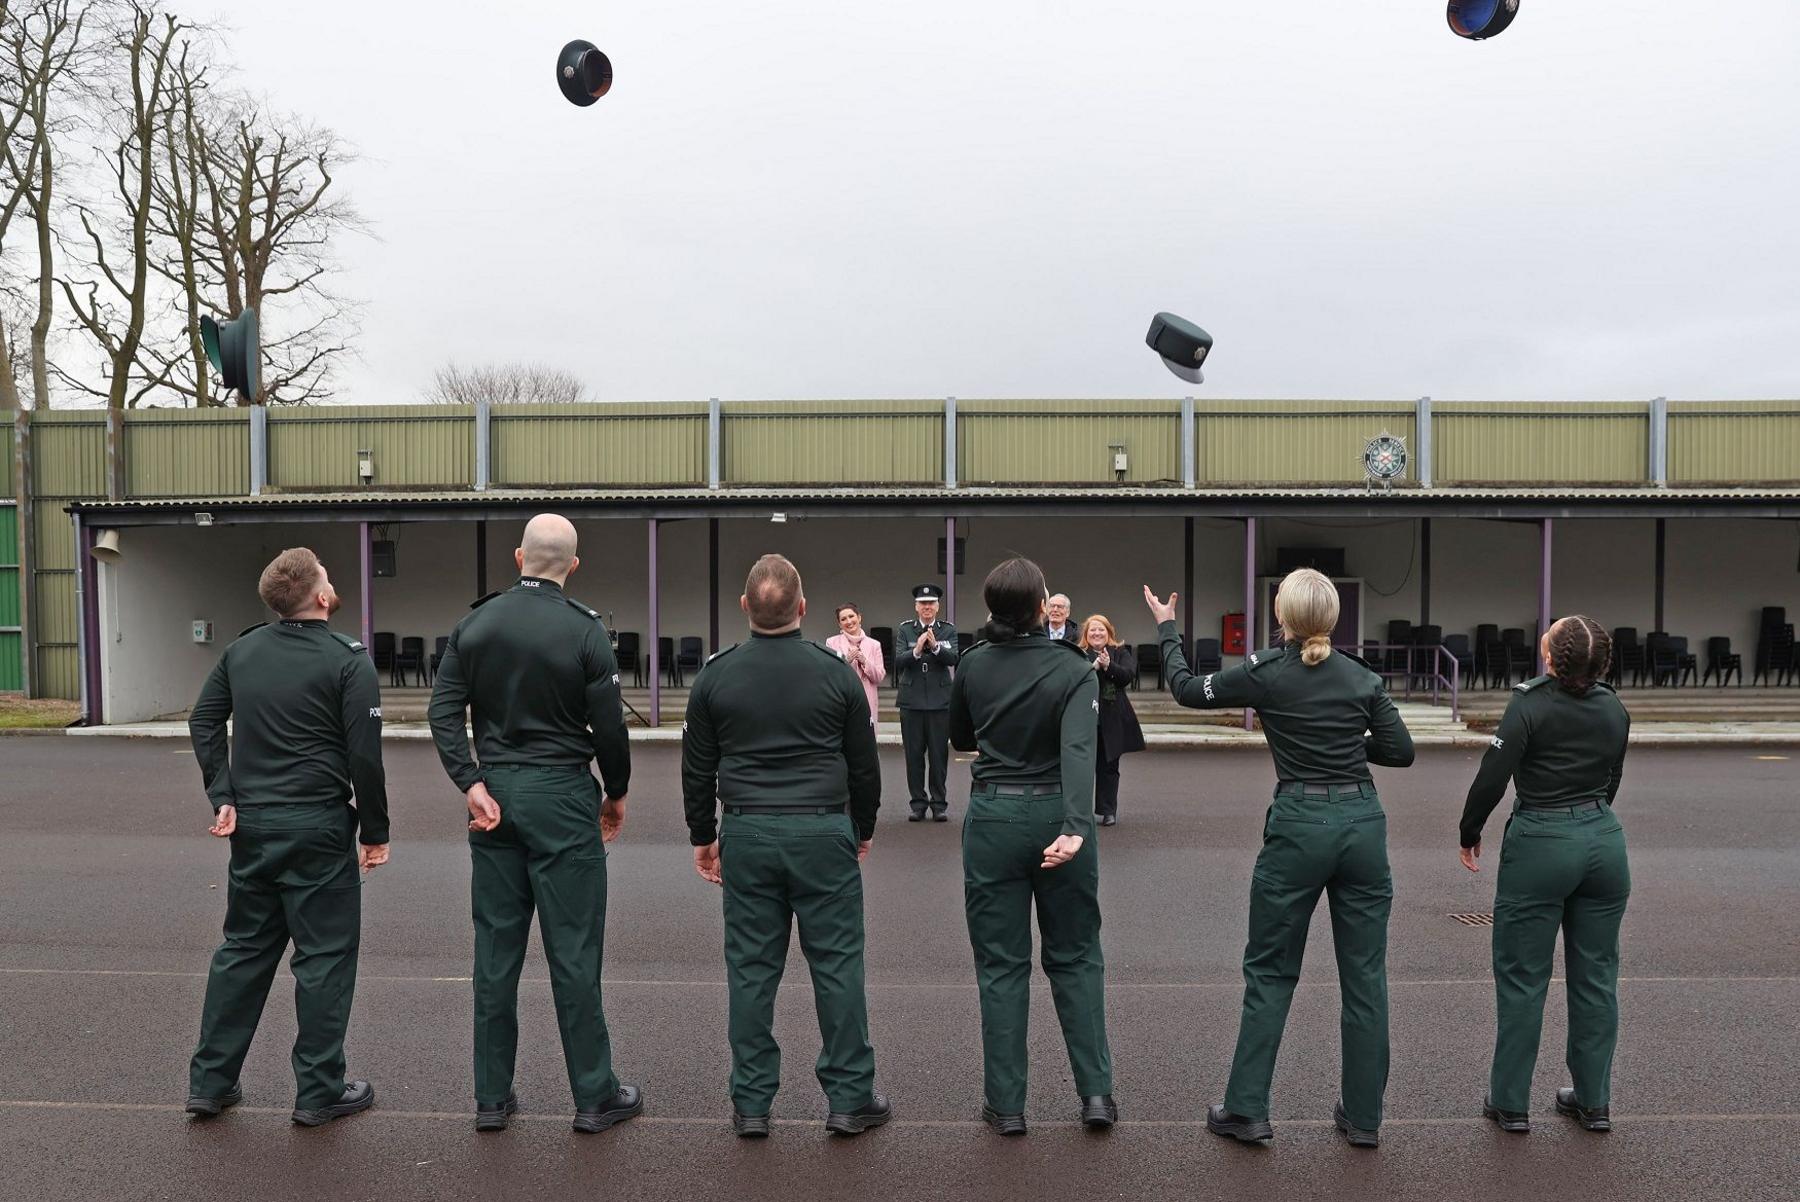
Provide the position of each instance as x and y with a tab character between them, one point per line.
1412	672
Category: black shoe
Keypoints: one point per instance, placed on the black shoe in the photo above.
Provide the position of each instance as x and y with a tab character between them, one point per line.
627	1103
940	815
1003	1124
855	1122
1099	1112
1107	820
1591	1118
1221	1121
1516	1122
206	1108
358	1096
1356	1137
750	1126
494	1118
916	816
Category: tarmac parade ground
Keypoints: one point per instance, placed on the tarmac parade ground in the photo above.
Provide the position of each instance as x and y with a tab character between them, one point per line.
114	897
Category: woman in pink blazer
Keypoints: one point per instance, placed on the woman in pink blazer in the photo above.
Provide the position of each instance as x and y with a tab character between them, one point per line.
861	652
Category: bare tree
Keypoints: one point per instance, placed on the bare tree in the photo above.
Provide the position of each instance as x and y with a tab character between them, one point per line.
43	50
113	307
505	383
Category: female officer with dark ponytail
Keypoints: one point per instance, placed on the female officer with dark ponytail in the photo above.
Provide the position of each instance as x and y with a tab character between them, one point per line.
1327	717
1027	703
1562	867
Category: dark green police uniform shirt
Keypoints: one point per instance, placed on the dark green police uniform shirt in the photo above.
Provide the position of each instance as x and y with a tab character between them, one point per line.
1029	705
305	711
922	682
777	721
1325	723
1558	749
537	669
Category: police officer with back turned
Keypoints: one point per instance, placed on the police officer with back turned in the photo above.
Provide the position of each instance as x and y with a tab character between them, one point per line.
1327	717
536	669
1562	868
778	732
924	653
305	710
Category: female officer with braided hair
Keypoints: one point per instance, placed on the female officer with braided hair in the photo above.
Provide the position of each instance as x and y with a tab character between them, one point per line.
1562	866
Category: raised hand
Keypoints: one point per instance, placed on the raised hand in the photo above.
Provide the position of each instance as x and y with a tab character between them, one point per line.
1161	612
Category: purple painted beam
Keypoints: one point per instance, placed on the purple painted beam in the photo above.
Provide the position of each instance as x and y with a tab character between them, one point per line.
1249	603
1544	593
655	635
950	570
92	677
366	580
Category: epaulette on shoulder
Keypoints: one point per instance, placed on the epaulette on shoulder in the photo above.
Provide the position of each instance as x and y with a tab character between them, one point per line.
1525	686
248	629
347	641
725	651
1601	684
1357	659
481	601
574	604
1265	656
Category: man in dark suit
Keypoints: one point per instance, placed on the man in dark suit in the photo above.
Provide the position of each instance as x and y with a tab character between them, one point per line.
1057	623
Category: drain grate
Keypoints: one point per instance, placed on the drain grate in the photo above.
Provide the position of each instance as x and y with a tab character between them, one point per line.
1474	920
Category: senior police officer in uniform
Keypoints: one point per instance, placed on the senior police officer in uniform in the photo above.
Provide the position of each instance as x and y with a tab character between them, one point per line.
537	670
1327	717
305	710
778	731
924	653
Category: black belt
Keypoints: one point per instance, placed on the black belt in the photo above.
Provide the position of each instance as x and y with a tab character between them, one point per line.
743	810
1301	788
1561	807
1041	790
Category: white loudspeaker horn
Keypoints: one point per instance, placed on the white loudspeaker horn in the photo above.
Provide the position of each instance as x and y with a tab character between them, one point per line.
106	546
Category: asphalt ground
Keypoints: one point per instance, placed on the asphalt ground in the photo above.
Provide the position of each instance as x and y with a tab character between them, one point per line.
114	896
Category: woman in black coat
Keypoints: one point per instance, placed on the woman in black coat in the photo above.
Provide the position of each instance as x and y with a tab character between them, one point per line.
1119	730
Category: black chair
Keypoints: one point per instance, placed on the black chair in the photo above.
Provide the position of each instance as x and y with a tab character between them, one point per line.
1687	664
1398	659
1665	665
1457	645
1149	659
1426	662
689	653
437	657
1206	657
412	655
666	663
1721	659
884	636
628	653
1487	637
1774	647
1519	659
1628	657
382	652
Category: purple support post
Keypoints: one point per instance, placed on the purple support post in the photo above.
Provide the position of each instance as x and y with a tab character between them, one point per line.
366	567
950	570
655	636
1249	603
91	677
1543	594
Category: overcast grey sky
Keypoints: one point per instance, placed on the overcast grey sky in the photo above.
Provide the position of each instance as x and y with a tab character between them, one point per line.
991	199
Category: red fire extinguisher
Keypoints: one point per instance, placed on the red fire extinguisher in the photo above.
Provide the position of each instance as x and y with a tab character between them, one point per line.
1231	634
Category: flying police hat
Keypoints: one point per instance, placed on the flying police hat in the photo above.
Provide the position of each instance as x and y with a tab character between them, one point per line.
1182	345
927	592
583	73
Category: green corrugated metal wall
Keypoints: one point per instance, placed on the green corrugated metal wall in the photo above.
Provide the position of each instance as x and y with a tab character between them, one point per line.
1292	442
851	442
605	445
187	453
68	463
1734	442
413	446
1601	442
11	678
1066	442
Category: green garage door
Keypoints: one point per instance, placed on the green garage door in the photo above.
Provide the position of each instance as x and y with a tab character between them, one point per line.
11	678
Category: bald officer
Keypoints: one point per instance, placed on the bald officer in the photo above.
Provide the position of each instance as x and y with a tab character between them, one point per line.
305	711
924	653
536	670
778	730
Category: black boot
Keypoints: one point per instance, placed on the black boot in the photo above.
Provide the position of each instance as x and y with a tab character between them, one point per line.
205	1108
1003	1124
1591	1118
494	1118
855	1122
1356	1137
357	1097
1099	1112
750	1126
1221	1121
1514	1122
626	1104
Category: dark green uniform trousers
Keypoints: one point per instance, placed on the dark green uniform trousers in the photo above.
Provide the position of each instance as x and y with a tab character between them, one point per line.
1558	869
1004	837
925	739
1335	844
779	870
293	877
545	854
